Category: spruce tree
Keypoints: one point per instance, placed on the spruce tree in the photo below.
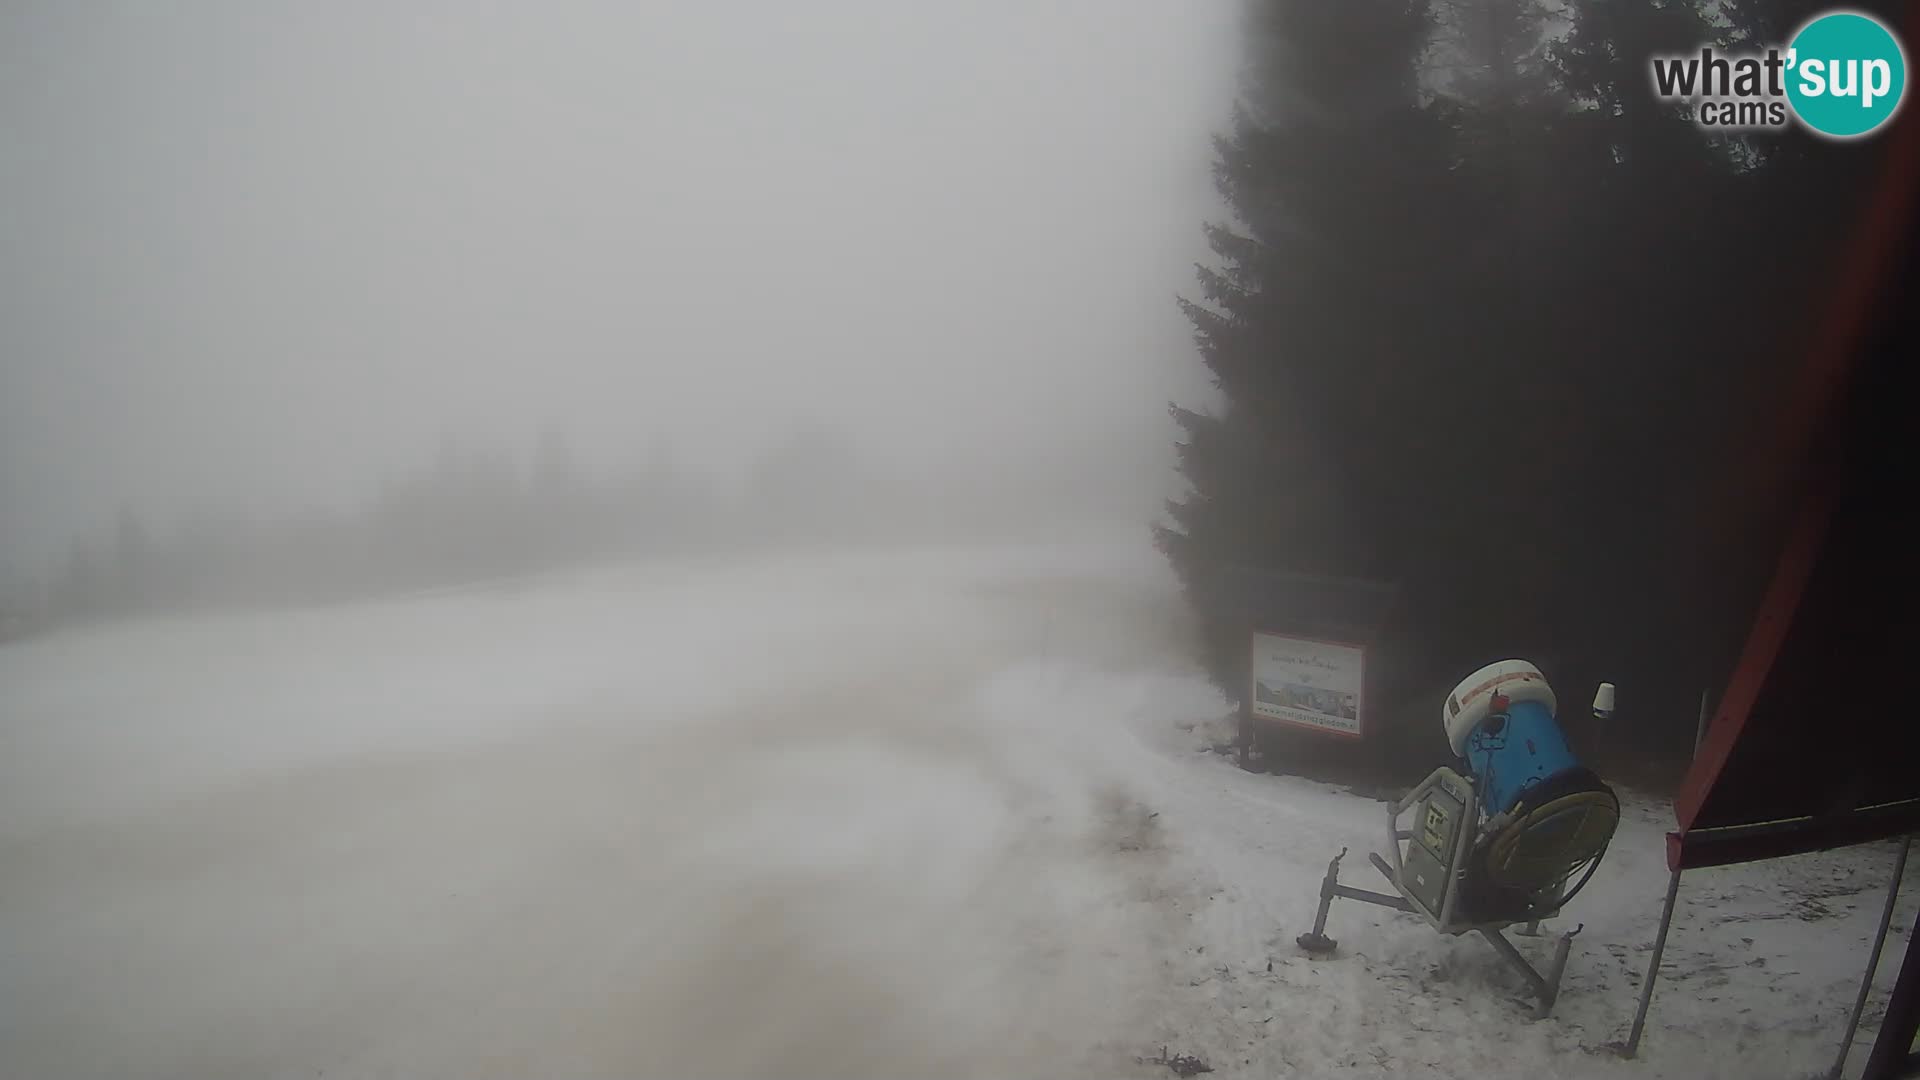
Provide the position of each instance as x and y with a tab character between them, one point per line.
1492	322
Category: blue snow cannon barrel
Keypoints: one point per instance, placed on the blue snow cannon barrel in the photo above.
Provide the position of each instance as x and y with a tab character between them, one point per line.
1513	756
1501	720
1543	813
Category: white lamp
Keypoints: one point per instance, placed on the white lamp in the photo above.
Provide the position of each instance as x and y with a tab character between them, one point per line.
1603	701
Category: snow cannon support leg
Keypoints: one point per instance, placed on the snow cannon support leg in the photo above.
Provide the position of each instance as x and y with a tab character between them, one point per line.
1316	942
1546	988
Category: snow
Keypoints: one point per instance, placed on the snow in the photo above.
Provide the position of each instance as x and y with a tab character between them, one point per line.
903	813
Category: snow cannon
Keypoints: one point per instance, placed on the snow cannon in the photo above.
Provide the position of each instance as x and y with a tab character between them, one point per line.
1507	838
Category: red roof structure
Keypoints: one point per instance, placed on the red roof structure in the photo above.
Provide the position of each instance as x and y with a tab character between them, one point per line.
1812	746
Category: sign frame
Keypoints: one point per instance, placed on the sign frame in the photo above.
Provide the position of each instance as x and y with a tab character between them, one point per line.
1259	631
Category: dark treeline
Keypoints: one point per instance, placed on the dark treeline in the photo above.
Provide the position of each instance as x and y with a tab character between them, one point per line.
473	512
1493	323
477	512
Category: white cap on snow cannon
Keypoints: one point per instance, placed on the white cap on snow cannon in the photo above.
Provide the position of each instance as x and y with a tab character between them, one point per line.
1472	701
1603	701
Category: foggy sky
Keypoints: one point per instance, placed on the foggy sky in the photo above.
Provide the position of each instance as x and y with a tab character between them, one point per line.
261	255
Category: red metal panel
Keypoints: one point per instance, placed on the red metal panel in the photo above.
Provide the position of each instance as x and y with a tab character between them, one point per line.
1720	847
1857	294
1756	660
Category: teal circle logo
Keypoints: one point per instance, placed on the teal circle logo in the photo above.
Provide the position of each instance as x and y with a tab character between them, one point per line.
1846	74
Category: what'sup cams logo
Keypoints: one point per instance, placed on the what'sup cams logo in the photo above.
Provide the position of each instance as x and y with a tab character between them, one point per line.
1842	76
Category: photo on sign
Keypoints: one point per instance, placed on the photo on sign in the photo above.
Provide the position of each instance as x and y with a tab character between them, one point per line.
1307	683
1325	702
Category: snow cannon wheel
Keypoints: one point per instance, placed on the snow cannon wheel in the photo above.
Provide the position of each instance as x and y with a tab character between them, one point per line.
1318	946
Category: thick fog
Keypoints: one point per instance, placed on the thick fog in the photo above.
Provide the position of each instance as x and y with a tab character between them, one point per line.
412	331
651	540
261	260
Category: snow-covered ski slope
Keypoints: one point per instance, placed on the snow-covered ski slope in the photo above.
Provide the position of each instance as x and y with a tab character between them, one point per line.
907	813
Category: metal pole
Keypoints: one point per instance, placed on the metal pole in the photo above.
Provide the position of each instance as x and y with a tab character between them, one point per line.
1873	959
1700	732
1892	1053
1653	967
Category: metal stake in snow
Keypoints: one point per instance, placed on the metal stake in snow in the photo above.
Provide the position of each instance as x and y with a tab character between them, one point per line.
1653	968
1873	958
